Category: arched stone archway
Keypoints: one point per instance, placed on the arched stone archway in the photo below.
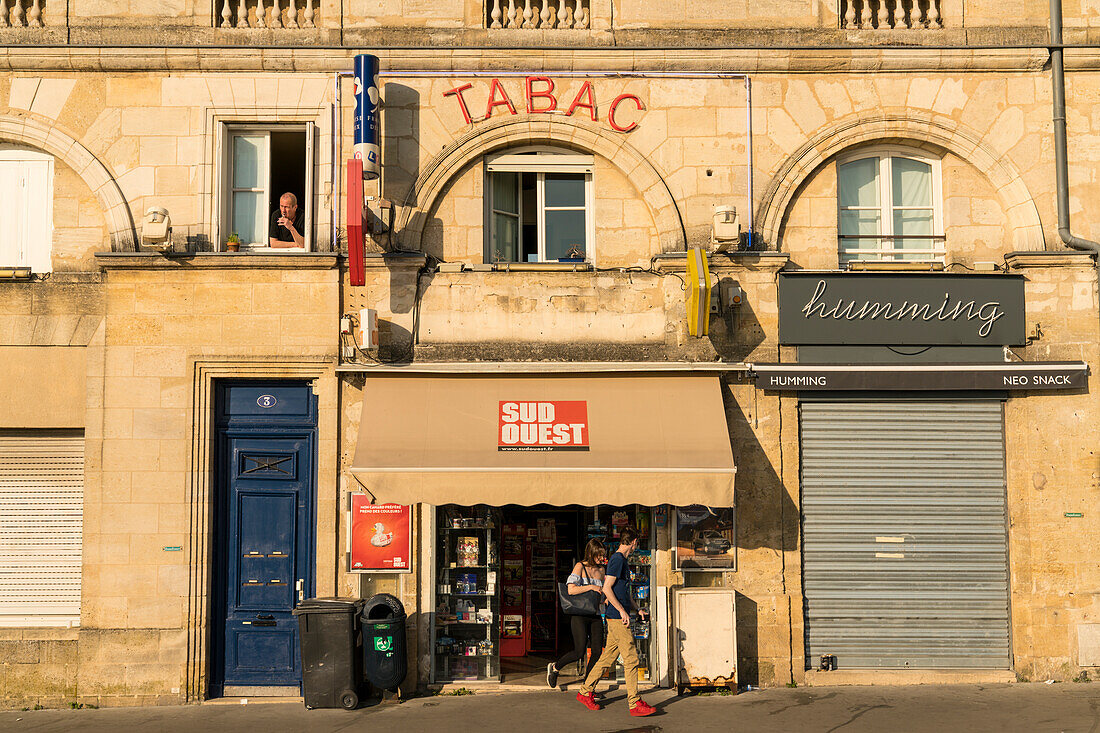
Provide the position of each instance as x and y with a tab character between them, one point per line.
541	130
31	131
1023	216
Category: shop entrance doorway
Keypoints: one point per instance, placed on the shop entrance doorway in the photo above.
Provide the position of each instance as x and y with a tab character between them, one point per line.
538	549
497	613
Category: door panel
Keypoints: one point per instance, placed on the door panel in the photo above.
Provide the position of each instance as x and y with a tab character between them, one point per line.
266	538
264	523
266	555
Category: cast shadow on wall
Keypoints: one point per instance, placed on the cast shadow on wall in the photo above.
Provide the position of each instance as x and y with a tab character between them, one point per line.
736	332
766	517
400	141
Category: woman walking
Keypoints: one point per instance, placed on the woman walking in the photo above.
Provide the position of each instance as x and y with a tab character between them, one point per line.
587	577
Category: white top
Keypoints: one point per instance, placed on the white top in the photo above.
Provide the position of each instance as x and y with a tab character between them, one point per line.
575	579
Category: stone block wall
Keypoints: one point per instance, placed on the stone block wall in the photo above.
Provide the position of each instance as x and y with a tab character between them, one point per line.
1054	470
38	667
158	137
141	604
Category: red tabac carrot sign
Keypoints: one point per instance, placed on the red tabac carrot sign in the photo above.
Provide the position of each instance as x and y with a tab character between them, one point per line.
541	426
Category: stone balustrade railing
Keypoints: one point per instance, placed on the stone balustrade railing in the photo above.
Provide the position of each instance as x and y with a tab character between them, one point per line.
22	13
890	14
266	13
538	14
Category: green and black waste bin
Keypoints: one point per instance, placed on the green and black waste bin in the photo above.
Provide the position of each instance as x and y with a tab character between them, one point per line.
384	649
331	639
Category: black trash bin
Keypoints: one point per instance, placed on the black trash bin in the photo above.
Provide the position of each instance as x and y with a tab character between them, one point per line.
384	648
330	639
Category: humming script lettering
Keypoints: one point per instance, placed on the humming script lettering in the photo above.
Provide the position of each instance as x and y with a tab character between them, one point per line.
851	310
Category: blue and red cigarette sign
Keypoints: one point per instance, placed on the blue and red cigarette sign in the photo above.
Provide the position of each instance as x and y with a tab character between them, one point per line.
367	128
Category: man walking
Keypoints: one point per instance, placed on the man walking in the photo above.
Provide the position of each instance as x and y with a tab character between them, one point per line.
620	640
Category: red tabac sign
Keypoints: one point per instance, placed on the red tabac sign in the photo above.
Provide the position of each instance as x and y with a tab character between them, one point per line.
540	96
379	536
542	426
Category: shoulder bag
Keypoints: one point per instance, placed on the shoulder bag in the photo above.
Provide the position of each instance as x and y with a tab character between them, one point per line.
581	604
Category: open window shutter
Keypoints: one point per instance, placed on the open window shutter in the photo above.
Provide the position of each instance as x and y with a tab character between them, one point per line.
311	131
11	226
38	225
41	521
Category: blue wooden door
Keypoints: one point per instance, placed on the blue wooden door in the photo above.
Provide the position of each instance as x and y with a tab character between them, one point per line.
265	520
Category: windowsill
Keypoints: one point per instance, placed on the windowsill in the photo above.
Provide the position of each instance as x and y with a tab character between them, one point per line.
878	266
260	249
288	260
767	260
454	267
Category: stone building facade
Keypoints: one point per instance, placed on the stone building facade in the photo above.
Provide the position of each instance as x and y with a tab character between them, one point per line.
662	111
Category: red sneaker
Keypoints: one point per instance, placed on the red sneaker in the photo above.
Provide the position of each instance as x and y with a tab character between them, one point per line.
641	709
589	702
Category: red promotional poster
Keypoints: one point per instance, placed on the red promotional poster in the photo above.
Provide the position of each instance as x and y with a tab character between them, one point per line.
379	536
541	426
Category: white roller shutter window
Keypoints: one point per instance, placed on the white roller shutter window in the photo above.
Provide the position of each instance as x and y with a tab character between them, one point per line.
41	520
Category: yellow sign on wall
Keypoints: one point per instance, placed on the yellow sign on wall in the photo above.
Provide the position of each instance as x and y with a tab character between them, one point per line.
698	292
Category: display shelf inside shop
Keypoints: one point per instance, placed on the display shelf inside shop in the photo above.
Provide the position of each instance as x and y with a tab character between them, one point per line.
465	632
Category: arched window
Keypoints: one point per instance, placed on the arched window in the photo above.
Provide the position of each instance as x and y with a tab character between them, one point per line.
539	206
26	226
890	206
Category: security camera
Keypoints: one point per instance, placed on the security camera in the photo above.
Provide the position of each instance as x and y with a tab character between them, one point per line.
156	229
725	231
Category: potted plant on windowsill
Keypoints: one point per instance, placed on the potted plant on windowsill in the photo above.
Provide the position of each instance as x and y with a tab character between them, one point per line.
233	244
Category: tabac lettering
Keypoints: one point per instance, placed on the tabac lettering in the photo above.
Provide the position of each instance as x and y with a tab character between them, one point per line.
540	97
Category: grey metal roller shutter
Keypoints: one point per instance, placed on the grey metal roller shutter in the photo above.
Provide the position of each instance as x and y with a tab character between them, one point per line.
904	534
41	522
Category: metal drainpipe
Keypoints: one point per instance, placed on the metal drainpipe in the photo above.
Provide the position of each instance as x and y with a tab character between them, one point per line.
1058	77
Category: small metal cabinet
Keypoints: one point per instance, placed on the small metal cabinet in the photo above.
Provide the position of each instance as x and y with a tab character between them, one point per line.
704	638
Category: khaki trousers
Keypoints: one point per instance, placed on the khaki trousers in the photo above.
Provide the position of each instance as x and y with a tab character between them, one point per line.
619	641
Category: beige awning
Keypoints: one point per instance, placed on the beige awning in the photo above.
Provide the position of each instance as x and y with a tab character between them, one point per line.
604	439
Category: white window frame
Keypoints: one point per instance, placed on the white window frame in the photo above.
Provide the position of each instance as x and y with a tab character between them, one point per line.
540	161
38	258
224	226
886	251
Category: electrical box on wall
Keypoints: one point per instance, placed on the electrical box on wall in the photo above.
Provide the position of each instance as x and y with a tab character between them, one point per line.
731	294
368	329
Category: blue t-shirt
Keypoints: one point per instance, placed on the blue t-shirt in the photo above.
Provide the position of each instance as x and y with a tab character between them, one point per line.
617	566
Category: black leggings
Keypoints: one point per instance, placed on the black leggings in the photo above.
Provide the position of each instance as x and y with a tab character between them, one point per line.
587	632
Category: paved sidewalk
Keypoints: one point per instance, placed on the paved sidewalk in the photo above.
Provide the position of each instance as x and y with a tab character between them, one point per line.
1072	708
